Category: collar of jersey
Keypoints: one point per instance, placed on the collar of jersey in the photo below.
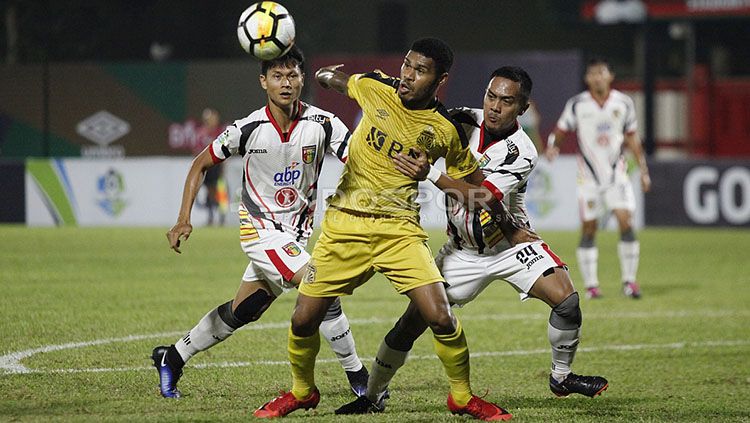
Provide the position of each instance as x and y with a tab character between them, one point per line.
284	137
486	140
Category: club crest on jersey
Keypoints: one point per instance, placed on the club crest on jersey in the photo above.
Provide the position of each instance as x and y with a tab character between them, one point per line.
484	160
288	176
615	113
426	138
285	197
292	249
308	153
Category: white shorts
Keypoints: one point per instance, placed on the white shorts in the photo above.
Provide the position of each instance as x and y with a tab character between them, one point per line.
467	273
594	200
275	257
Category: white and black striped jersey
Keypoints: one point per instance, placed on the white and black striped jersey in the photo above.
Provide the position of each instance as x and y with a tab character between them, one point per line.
601	130
280	170
506	164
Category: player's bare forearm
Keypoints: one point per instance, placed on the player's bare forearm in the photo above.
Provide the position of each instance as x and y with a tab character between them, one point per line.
331	77
475	196
467	191
554	140
182	228
633	143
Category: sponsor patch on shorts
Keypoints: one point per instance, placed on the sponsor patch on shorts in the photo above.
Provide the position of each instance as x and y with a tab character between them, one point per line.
310	275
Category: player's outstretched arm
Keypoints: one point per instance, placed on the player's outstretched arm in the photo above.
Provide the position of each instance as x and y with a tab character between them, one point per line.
469	192
331	77
193	182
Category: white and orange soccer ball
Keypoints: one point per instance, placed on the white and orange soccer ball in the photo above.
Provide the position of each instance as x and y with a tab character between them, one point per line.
266	30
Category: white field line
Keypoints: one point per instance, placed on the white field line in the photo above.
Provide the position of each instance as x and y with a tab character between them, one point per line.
10	363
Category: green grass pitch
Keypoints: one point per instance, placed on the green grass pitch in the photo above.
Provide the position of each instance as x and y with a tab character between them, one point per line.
81	309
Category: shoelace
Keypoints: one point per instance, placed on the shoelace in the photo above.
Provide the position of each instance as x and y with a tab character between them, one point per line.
481	407
273	401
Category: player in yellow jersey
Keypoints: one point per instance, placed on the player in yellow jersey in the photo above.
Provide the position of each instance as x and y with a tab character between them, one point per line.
372	222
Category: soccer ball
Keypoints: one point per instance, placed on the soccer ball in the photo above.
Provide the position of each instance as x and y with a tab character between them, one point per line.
266	30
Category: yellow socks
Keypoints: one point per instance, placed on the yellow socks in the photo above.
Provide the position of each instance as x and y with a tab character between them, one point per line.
302	354
454	353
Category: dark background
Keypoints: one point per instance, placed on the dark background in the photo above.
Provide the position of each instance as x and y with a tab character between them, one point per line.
81	30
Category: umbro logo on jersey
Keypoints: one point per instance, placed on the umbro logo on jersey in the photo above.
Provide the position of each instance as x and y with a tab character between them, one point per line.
382	113
257	151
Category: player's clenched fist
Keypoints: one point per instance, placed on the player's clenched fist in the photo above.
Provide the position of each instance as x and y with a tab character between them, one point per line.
179	231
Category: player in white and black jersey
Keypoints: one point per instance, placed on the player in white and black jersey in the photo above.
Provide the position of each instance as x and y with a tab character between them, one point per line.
282	146
605	123
477	252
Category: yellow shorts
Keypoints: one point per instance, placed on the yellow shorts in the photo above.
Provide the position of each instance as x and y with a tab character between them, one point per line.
352	248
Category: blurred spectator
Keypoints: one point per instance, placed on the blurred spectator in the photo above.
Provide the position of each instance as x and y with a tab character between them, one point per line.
217	199
529	121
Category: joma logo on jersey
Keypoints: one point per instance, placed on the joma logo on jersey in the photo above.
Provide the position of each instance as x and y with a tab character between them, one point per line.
308	153
288	177
292	249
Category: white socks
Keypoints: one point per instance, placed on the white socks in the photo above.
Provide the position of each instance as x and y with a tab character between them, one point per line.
564	345
629	253
339	336
385	366
208	332
587	264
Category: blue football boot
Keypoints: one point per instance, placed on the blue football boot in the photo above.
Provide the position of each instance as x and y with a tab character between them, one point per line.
168	376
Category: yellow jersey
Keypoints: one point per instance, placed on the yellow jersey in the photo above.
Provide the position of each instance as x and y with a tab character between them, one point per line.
370	183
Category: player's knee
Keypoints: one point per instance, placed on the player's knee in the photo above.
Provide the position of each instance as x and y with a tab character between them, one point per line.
249	310
400	338
442	324
627	235
587	240
226	315
567	314
304	327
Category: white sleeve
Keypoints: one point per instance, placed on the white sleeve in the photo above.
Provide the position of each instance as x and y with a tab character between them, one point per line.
506	173
631	123
226	144
567	121
339	145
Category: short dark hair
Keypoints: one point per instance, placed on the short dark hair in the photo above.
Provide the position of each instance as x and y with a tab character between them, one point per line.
598	60
436	50
516	74
294	57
